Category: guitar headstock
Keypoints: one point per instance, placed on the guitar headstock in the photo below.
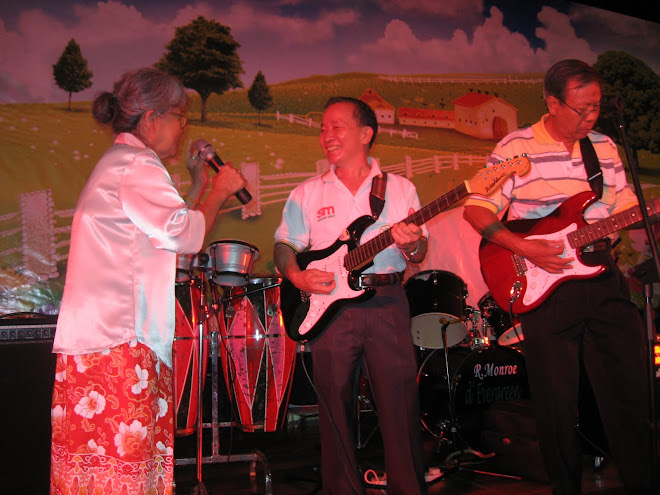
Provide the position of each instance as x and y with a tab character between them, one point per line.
490	178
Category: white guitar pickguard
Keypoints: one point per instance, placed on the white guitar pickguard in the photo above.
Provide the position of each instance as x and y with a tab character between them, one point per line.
319	303
539	281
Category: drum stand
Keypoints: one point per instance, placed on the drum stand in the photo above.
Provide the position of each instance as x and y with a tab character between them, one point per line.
215	425
454	457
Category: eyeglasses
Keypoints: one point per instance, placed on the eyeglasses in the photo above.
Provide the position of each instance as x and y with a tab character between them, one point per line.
183	119
584	113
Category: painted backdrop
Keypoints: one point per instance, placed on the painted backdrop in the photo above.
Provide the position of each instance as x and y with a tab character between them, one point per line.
447	79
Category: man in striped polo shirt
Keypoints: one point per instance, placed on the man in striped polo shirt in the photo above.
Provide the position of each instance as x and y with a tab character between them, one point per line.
589	323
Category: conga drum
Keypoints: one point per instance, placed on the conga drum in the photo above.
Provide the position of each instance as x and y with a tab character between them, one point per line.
185	356
257	355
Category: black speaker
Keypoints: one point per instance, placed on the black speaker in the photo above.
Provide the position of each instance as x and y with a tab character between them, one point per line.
27	373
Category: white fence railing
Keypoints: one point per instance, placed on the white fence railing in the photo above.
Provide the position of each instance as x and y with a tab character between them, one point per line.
461	80
308	122
41	235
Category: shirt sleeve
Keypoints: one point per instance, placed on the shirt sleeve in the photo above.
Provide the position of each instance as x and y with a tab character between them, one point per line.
152	203
294	228
500	198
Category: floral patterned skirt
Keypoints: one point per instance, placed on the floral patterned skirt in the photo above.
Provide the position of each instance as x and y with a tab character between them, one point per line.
112	423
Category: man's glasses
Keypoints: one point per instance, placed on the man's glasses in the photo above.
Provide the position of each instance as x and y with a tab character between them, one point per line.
183	119
584	113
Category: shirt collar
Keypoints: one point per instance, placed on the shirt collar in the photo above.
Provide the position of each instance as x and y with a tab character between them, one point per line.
331	174
541	134
129	139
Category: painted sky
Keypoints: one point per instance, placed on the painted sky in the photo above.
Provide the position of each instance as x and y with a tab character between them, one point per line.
288	39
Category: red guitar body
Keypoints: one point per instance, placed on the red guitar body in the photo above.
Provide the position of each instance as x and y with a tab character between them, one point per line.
510	276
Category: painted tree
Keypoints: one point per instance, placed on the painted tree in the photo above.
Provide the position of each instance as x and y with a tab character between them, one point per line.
204	56
638	86
71	72
259	94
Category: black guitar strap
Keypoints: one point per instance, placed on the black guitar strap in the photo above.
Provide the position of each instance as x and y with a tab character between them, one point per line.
592	166
377	195
593	253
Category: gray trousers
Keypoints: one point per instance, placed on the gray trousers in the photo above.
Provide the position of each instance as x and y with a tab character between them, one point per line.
378	333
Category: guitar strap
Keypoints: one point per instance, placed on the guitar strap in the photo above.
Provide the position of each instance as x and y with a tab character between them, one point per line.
592	166
377	195
593	254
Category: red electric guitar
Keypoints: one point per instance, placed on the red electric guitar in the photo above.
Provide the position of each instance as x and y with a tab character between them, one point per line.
515	281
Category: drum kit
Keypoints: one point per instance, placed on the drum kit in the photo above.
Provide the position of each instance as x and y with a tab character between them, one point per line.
225	314
468	356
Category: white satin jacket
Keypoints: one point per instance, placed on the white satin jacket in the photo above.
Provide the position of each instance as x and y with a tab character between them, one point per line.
128	225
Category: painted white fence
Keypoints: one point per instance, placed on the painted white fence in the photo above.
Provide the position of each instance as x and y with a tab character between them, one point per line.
461	80
42	234
308	122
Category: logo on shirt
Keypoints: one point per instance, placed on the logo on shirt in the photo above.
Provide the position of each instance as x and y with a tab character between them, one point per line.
325	212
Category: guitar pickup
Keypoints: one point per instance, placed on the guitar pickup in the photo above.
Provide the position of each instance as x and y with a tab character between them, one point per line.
305	296
600	245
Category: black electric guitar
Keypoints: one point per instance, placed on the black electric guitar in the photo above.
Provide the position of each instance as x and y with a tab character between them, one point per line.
307	315
514	281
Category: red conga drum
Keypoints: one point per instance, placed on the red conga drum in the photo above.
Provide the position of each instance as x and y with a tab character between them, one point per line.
257	355
185	356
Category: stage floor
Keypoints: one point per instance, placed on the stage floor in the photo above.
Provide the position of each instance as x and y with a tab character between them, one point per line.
293	458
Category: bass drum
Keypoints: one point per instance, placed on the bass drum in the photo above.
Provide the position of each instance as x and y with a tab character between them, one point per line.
478	378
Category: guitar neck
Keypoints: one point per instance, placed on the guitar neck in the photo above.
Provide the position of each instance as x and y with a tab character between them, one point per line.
367	251
591	233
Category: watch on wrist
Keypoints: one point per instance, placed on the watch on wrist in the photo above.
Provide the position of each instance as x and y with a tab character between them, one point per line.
409	256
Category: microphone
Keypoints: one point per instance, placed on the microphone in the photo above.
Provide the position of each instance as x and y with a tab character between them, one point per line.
206	152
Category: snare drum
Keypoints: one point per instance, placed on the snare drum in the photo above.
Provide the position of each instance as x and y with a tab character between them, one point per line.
185	357
231	262
436	297
512	336
257	355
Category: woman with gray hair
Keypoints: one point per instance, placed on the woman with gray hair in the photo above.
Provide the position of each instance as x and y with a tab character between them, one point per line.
112	418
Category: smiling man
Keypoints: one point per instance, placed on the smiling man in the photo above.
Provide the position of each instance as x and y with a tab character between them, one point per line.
375	331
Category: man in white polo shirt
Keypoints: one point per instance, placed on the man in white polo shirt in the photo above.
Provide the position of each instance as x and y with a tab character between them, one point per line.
376	331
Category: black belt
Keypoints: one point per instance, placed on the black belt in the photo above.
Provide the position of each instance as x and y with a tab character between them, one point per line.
380	279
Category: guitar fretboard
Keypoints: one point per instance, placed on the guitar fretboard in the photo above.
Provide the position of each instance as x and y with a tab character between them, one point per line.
367	251
591	233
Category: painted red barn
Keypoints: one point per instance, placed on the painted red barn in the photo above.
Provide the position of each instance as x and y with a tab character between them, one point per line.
384	110
484	116
422	117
